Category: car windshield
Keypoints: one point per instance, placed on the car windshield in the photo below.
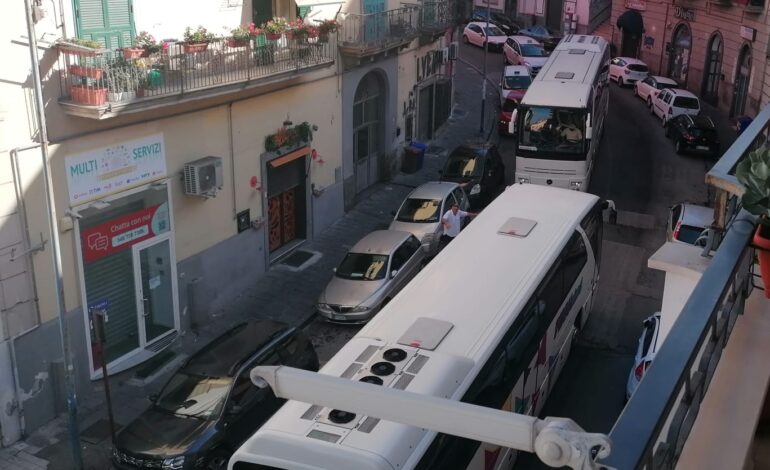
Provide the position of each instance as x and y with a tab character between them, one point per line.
552	130
419	211
464	164
686	102
533	50
363	267
689	234
516	82
638	67
493	31
194	395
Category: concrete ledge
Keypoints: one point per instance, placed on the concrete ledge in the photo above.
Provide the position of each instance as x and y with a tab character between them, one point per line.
680	258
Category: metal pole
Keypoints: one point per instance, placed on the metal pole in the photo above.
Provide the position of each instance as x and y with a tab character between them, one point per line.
484	80
53	227
98	317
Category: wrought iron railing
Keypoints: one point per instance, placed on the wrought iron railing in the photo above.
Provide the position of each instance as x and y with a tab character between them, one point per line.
109	78
437	15
380	30
655	425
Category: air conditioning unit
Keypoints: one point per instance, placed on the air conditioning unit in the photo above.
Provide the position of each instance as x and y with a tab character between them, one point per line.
203	177
453	51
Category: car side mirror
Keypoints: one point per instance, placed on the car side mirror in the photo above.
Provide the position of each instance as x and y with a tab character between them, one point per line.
393	273
589	129
153	397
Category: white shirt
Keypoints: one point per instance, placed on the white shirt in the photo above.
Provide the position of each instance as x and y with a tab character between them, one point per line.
453	222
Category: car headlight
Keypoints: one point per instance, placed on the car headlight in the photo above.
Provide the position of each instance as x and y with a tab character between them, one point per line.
523	179
476	189
174	463
360	309
575	185
321	306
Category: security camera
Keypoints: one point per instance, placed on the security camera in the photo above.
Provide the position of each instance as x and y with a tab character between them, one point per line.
74	214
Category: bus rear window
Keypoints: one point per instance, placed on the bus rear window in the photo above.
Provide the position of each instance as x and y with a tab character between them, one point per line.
686	102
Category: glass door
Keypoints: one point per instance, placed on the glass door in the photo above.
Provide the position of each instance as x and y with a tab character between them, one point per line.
154	277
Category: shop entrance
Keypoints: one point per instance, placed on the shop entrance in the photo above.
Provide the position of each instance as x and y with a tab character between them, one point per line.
154	288
286	202
678	65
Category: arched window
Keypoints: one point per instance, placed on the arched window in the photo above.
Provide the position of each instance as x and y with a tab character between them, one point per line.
742	77
368	108
712	70
678	65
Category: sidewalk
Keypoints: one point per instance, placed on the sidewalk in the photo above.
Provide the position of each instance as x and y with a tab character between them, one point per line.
282	293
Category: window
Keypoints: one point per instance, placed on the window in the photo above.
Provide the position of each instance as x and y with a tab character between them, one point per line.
402	255
413	243
362	267
592	225
676	212
574	258
419	211
649	81
459	196
638	68
686	102
649	334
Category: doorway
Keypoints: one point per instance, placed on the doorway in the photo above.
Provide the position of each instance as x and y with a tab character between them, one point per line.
678	64
286	202
742	78
154	283
367	131
712	72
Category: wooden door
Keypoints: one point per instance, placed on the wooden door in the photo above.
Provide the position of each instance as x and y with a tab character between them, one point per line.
282	219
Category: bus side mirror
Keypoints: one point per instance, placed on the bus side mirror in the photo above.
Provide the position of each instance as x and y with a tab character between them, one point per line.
589	129
512	122
613	214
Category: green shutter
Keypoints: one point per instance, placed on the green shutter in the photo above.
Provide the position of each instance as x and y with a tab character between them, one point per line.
110	22
304	10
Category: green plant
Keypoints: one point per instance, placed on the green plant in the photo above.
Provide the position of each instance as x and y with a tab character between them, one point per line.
753	172
288	137
241	33
84	42
302	30
276	26
199	35
147	42
328	26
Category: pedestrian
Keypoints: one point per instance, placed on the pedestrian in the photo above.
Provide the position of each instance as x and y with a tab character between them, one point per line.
452	222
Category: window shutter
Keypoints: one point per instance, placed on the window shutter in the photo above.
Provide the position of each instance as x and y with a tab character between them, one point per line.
110	22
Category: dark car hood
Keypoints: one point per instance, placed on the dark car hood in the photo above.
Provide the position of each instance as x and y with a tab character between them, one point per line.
158	434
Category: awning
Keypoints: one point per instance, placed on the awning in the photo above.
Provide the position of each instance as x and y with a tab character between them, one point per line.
319	10
631	22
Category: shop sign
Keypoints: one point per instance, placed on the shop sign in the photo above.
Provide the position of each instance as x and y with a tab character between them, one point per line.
686	14
639	5
430	64
98	173
122	232
748	33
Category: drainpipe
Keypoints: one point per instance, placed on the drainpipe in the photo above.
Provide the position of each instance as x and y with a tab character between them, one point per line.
232	155
53	227
663	42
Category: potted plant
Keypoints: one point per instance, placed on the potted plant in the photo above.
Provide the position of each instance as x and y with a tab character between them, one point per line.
81	47
197	40
753	172
89	93
326	27
94	73
301	31
146	43
240	36
274	28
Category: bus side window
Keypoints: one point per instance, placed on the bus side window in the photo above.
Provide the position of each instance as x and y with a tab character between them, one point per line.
575	258
592	224
551	292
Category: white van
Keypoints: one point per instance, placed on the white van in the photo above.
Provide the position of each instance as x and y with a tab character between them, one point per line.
672	102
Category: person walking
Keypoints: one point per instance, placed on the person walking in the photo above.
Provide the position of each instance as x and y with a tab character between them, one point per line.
452	222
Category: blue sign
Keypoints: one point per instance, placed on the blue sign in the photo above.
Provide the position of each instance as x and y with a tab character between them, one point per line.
102	304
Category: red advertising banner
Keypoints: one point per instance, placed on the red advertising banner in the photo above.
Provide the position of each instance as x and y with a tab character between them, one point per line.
123	232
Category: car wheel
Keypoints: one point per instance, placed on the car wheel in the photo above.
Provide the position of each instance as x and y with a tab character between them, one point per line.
465	39
218	460
649	103
621	83
679	147
663	121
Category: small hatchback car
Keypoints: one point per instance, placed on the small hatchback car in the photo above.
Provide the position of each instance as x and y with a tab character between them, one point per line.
209	406
696	134
479	168
687	224
627	70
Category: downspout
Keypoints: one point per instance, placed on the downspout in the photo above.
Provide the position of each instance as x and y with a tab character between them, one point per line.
232	155
663	42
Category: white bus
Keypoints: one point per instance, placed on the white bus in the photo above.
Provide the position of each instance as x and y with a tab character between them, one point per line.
489	321
560	121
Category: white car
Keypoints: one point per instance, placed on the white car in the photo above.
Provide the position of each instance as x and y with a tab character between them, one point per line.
477	33
650	87
523	50
514	83
627	70
687	223
672	102
645	353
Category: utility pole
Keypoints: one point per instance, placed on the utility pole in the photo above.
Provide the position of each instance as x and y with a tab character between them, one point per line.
53	226
484	78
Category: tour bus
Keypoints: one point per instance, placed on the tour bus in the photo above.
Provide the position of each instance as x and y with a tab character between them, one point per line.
489	321
560	121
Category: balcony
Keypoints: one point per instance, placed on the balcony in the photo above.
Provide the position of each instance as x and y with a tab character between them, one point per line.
435	18
107	84
377	33
755	6
701	400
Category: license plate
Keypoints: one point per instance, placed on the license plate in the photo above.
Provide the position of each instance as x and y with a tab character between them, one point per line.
702	147
338	317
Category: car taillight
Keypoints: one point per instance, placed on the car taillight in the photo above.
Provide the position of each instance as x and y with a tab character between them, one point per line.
676	230
688	136
641	369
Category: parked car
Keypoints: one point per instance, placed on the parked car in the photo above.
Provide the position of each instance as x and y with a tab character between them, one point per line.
687	223
627	70
480	34
650	86
672	102
694	134
645	353
421	212
523	50
479	168
506	114
372	273
547	37
514	83
209	406
506	25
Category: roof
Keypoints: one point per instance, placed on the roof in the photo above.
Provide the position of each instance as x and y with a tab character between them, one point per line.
661	79
596	44
515	70
524	39
219	356
432	190
569	95
632	60
380	242
681	92
697	216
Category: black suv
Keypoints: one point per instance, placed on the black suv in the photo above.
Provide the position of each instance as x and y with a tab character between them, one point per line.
479	168
209	406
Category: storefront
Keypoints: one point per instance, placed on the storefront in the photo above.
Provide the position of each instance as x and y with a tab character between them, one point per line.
712	71
287	200
434	95
127	264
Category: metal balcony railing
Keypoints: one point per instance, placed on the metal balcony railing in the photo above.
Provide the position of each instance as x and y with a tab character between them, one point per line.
436	16
109	79
656	422
372	32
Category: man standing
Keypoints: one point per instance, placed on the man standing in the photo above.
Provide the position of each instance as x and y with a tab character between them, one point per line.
452	222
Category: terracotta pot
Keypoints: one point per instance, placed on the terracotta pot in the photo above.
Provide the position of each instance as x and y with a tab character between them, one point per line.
195	47
762	242
232	42
273	36
81	51
88	95
132	52
90	72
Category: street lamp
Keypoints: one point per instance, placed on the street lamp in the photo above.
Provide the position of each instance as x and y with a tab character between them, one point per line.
484	74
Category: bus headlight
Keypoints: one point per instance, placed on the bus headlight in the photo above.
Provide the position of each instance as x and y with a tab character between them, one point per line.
476	189
523	179
575	185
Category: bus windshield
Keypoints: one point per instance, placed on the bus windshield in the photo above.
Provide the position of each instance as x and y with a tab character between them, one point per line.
557	133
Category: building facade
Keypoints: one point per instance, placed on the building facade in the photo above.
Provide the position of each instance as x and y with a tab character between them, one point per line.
179	175
716	49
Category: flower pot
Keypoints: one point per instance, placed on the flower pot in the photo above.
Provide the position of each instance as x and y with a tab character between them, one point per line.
88	95
195	47
273	36
232	42
132	52
115	96
74	49
762	242
90	72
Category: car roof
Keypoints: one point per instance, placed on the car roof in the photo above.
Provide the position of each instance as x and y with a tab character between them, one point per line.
511	70
696	216
661	79
681	92
432	190
380	242
525	40
482	24
223	354
632	60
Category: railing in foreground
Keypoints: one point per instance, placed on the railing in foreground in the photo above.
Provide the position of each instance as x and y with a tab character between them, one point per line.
653	428
375	30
